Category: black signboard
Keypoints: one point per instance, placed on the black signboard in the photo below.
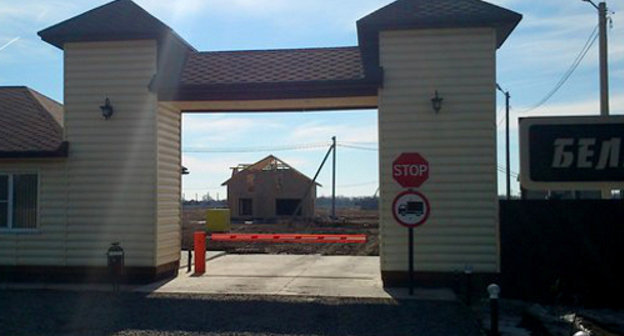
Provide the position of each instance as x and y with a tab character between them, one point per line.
565	151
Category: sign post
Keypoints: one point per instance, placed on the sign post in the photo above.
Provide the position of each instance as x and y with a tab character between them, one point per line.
410	208
410	259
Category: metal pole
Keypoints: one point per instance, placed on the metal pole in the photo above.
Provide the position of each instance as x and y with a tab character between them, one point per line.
604	68
494	316
494	291
333	213
310	186
410	259
507	96
190	260
604	71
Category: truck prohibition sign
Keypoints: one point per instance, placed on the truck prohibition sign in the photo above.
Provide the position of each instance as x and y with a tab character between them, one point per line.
410	170
411	209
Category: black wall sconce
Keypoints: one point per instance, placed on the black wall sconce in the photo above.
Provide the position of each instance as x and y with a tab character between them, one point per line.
436	102
107	109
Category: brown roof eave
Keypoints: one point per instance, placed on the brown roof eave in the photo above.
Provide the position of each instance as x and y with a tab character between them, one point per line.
61	152
279	90
60	40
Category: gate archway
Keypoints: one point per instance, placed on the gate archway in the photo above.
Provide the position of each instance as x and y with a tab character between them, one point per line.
128	168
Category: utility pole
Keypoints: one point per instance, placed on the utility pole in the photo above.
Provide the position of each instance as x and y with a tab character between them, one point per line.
604	68
604	61
507	151
333	212
604	57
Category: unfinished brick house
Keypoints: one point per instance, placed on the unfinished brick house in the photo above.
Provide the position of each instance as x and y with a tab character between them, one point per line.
269	189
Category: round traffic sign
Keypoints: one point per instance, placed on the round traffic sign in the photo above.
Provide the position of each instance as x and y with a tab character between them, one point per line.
410	170
411	208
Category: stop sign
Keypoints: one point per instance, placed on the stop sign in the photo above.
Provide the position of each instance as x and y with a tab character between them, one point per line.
410	170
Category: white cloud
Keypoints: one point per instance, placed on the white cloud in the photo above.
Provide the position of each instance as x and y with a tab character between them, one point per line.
205	130
319	132
7	44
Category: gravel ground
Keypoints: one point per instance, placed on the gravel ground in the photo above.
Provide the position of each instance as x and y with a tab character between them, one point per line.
81	313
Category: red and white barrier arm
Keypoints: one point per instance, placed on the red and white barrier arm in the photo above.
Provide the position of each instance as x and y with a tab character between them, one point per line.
290	238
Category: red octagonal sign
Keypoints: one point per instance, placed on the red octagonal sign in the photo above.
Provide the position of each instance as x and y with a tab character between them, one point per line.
410	170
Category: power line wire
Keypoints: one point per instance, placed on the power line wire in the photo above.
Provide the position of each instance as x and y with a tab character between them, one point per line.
579	58
354	185
255	149
504	170
358	147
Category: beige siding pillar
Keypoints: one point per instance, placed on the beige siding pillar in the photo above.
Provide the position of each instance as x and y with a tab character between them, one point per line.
459	142
112	163
169	185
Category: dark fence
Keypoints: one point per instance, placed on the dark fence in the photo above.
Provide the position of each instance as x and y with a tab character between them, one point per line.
563	251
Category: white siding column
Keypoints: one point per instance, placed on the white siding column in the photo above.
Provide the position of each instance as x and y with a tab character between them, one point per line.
459	143
112	163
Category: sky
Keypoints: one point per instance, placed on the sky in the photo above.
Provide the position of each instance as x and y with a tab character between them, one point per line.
529	65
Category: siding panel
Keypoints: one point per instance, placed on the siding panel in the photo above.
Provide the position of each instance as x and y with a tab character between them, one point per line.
168	229
459	143
111	165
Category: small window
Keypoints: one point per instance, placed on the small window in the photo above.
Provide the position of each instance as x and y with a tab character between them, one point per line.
287	207
18	201
245	207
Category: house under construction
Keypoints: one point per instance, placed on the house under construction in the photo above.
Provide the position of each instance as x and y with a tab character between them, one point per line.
269	189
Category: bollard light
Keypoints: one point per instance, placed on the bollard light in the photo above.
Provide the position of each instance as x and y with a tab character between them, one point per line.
494	291
116	262
581	333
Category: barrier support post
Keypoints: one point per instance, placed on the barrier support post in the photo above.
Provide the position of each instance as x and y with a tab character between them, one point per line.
200	252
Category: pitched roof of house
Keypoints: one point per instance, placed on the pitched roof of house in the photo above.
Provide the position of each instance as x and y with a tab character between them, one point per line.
426	14
269	163
30	124
119	19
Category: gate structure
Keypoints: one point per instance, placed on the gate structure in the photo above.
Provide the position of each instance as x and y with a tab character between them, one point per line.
121	178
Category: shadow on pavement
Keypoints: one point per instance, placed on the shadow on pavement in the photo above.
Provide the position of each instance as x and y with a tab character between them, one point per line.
80	313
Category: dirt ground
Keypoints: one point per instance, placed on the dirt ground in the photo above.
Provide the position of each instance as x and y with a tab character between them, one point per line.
351	221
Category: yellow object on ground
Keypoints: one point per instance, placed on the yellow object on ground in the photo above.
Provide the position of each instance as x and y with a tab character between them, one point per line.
218	220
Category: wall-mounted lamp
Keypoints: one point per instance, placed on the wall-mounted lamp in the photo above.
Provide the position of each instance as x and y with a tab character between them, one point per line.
436	102
107	109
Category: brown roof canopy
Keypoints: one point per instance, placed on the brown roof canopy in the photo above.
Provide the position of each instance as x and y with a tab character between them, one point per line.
187	75
117	20
272	74
30	124
270	66
429	14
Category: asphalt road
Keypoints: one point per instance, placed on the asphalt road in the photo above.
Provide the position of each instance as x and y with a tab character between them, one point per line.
82	313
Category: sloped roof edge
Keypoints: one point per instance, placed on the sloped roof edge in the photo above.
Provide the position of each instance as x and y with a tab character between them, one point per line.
116	20
269	157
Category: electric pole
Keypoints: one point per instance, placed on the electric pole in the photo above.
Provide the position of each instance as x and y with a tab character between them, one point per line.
604	68
507	151
604	57
333	213
604	61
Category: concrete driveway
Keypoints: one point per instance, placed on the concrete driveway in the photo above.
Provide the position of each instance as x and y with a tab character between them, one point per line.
302	275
